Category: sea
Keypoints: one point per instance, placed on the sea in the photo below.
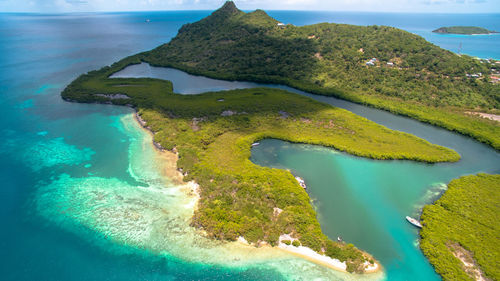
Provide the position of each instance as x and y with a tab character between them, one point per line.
82	195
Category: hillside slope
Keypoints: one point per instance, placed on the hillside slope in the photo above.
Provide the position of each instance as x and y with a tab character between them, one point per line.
213	134
410	76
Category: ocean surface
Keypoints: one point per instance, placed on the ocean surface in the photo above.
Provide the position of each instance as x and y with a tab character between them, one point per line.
482	46
79	183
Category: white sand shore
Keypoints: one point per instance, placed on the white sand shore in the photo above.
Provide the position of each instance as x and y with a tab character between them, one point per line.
370	268
311	255
169	169
486	115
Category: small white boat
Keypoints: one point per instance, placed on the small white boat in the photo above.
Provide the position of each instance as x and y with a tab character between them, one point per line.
255	144
413	221
148	20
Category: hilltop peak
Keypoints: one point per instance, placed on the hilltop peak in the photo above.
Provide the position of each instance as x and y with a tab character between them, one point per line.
229	8
229	5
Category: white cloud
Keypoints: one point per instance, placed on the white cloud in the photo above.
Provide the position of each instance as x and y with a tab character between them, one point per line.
448	6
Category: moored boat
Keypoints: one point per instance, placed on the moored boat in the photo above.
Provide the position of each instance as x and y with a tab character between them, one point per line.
413	221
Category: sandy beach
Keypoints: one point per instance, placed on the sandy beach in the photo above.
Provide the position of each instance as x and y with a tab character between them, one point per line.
169	169
311	255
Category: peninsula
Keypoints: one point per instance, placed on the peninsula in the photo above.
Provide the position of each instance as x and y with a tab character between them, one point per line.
379	66
212	134
461	230
463	30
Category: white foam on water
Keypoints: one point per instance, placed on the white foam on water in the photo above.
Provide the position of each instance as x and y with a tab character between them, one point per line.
49	153
155	217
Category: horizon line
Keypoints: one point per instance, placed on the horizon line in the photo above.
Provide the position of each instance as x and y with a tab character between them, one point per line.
245	10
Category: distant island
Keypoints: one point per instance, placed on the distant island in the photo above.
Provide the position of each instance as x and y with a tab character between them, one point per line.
465	30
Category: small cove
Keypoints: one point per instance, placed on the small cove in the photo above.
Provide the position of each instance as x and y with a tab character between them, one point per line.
362	200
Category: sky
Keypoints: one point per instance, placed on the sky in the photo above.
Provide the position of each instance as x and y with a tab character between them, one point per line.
425	6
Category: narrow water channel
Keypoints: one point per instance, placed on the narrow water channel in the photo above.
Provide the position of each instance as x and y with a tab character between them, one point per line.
364	201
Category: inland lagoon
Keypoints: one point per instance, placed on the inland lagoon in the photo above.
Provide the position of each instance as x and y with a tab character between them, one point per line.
364	201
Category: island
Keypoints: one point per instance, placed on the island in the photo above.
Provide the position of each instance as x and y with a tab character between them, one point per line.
464	30
212	133
460	230
378	66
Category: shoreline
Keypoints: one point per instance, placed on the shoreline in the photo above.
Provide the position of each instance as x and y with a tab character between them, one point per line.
171	172
312	256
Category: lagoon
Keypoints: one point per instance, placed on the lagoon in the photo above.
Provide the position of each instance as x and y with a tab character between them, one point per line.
363	201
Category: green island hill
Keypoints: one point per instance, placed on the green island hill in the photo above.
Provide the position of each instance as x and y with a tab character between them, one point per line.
461	233
465	30
213	134
379	66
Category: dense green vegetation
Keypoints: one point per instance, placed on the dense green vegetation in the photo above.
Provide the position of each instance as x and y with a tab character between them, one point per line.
464	220
213	133
410	76
466	30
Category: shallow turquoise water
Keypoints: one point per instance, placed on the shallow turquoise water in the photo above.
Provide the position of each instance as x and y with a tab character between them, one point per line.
52	151
364	201
55	156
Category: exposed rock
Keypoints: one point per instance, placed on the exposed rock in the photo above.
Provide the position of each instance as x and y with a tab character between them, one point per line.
469	264
157	145
228	113
113	96
284	114
485	115
141	121
306	120
277	211
301	182
195	122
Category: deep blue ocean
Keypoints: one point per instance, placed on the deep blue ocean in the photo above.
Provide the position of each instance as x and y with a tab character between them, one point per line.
483	46
46	139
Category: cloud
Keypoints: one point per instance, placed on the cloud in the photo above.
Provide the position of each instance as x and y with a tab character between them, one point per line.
449	6
453	2
77	2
